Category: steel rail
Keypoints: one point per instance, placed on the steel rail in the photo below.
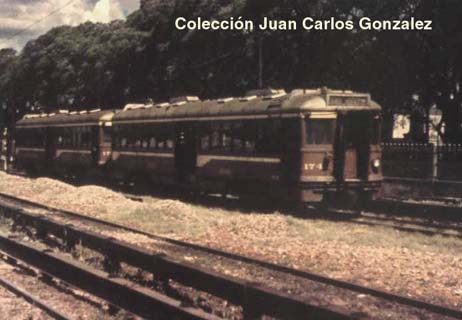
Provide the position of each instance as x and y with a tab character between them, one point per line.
431	211
256	299
32	300
368	219
382	294
119	292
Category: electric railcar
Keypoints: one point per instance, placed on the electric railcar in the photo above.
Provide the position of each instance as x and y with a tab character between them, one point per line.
295	147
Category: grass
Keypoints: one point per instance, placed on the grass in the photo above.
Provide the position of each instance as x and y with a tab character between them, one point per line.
373	236
197	221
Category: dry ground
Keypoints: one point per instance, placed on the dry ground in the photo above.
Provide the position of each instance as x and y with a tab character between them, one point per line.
15	308
416	265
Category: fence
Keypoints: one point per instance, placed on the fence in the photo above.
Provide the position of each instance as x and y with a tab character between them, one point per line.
422	160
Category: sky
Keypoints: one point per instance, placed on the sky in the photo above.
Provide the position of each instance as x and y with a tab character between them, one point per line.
17	15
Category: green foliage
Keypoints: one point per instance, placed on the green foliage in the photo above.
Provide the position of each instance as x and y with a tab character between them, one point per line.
97	65
80	67
8	60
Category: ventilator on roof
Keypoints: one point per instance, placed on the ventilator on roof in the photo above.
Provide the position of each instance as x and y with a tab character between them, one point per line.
177	101
31	116
265	92
162	105
246	99
224	100
134	106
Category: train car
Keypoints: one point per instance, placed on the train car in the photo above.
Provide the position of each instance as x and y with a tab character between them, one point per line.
298	147
141	150
63	142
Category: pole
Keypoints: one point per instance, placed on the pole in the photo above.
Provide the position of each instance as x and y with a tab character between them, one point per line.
260	61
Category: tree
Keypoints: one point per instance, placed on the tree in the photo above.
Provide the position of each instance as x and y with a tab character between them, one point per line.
88	66
108	65
8	61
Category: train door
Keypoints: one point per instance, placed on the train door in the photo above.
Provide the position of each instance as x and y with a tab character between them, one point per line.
95	144
50	145
185	152
352	146
290	153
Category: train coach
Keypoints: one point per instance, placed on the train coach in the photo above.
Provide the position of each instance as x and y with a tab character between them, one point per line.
63	142
294	147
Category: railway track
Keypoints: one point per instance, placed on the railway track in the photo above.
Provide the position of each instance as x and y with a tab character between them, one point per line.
256	299
398	220
424	218
33	300
41	291
119	292
432	212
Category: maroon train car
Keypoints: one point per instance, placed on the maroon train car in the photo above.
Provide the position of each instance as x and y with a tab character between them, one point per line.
295	147
63	142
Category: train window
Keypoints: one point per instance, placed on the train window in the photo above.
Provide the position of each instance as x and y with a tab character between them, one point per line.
152	143
162	138
268	137
73	135
62	137
237	144
320	131
205	142
69	137
226	137
169	144
249	146
82	133
115	141
215	140
78	137
203	136
131	142
246	131
107	137
291	133
122	136
30	138
87	137
237	137
230	137
249	137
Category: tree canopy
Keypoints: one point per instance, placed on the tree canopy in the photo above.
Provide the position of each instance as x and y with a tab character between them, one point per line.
108	65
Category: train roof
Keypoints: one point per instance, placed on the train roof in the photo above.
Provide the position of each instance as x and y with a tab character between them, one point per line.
64	118
255	103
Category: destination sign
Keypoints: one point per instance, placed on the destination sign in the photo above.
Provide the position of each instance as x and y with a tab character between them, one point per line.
355	101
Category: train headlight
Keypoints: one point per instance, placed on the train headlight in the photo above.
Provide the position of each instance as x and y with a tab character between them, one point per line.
376	165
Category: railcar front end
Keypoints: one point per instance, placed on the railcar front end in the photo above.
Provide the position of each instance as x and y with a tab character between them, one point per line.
340	150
